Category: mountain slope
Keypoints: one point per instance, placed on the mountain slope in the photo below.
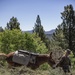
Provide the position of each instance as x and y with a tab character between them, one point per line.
47	33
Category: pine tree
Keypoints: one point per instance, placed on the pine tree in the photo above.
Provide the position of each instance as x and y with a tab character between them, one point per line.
13	24
68	17
1	29
38	29
59	38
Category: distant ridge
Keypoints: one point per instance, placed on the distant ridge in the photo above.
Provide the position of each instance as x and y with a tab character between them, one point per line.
46	32
29	31
50	32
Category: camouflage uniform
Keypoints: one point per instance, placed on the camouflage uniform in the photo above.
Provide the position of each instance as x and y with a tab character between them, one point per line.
65	63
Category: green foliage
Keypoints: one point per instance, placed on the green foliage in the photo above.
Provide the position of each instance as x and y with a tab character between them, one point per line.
1	29
38	29
15	39
64	35
44	66
10	40
68	18
13	24
58	37
72	59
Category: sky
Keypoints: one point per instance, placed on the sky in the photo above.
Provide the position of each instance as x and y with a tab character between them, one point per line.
26	12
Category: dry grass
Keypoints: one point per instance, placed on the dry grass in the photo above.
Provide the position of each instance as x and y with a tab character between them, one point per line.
4	70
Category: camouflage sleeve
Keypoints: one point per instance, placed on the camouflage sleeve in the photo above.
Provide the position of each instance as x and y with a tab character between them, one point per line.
60	62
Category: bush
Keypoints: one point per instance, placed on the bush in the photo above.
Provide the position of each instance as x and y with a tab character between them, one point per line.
12	40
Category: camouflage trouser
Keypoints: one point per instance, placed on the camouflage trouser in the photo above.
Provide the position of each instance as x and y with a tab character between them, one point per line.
66	68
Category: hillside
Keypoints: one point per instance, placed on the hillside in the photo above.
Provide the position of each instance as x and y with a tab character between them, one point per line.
48	33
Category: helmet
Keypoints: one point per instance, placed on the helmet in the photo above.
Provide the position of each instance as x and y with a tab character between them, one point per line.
68	51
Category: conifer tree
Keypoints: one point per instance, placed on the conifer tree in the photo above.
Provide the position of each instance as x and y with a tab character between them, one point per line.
68	17
13	24
38	29
59	38
1	29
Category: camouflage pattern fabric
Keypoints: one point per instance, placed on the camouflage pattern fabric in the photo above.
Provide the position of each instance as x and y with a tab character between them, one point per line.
65	63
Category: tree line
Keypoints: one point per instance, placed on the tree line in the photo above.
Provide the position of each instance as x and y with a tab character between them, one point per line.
63	37
12	38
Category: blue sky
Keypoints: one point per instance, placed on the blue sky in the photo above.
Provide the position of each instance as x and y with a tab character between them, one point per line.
26	12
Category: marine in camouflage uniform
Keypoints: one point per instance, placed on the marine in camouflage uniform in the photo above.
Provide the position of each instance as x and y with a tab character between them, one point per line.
65	62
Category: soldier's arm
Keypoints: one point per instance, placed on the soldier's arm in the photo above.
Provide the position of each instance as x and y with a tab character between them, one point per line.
60	62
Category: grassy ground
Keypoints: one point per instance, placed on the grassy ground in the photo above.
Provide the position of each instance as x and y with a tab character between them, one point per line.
4	70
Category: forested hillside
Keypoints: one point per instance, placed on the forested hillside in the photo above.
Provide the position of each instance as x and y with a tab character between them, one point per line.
12	38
